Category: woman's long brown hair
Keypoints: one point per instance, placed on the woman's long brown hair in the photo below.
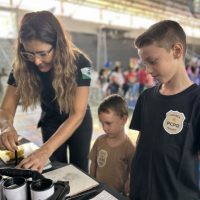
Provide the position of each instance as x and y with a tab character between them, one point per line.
45	27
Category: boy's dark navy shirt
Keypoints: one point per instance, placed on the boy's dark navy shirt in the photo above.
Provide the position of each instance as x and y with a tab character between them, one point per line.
165	166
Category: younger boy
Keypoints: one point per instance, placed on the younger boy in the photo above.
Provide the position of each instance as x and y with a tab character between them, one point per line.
112	152
165	166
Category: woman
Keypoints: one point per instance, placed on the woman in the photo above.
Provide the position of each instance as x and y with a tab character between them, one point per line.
49	70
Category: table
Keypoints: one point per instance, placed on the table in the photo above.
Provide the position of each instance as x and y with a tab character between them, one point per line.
98	189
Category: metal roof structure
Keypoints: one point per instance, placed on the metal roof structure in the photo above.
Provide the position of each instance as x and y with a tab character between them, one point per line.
184	11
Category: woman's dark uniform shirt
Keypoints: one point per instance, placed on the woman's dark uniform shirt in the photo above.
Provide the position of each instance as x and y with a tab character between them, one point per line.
50	108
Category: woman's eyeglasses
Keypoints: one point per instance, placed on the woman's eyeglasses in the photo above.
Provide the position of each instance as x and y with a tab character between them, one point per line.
30	56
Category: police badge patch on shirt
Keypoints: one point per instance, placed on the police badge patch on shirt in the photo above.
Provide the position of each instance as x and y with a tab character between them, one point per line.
173	123
102	157
86	74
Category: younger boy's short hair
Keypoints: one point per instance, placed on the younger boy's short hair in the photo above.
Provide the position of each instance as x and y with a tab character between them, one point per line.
164	33
116	103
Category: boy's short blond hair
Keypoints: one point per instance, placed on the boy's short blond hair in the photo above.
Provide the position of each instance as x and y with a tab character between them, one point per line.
165	34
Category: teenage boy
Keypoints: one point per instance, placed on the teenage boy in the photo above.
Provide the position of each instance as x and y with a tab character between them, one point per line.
165	166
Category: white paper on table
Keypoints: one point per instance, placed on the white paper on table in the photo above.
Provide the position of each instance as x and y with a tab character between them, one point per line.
29	148
78	180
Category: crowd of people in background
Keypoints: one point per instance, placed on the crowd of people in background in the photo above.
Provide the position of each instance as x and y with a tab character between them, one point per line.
133	81
194	73
126	82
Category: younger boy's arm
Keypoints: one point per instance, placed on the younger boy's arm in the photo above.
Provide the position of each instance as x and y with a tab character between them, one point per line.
93	168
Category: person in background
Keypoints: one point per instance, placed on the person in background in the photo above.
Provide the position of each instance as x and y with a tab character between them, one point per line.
130	79
103	81
3	77
112	153
142	78
116	81
49	70
167	115
194	74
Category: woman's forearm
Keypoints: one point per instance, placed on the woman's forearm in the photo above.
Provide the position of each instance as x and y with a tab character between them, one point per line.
8	108
6	121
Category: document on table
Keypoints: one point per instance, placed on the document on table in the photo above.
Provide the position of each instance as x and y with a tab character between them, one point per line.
104	195
78	180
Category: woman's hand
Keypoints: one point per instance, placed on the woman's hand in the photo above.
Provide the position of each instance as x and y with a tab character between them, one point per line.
8	139
35	161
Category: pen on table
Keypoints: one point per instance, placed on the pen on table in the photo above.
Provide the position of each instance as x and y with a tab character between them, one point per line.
16	157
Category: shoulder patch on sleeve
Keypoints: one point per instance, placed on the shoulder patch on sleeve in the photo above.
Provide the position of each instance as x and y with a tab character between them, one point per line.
86	73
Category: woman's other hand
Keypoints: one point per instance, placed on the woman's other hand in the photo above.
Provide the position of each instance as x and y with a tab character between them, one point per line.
8	139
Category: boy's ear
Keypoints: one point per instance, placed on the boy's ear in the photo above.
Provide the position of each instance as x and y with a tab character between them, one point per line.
125	118
177	50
